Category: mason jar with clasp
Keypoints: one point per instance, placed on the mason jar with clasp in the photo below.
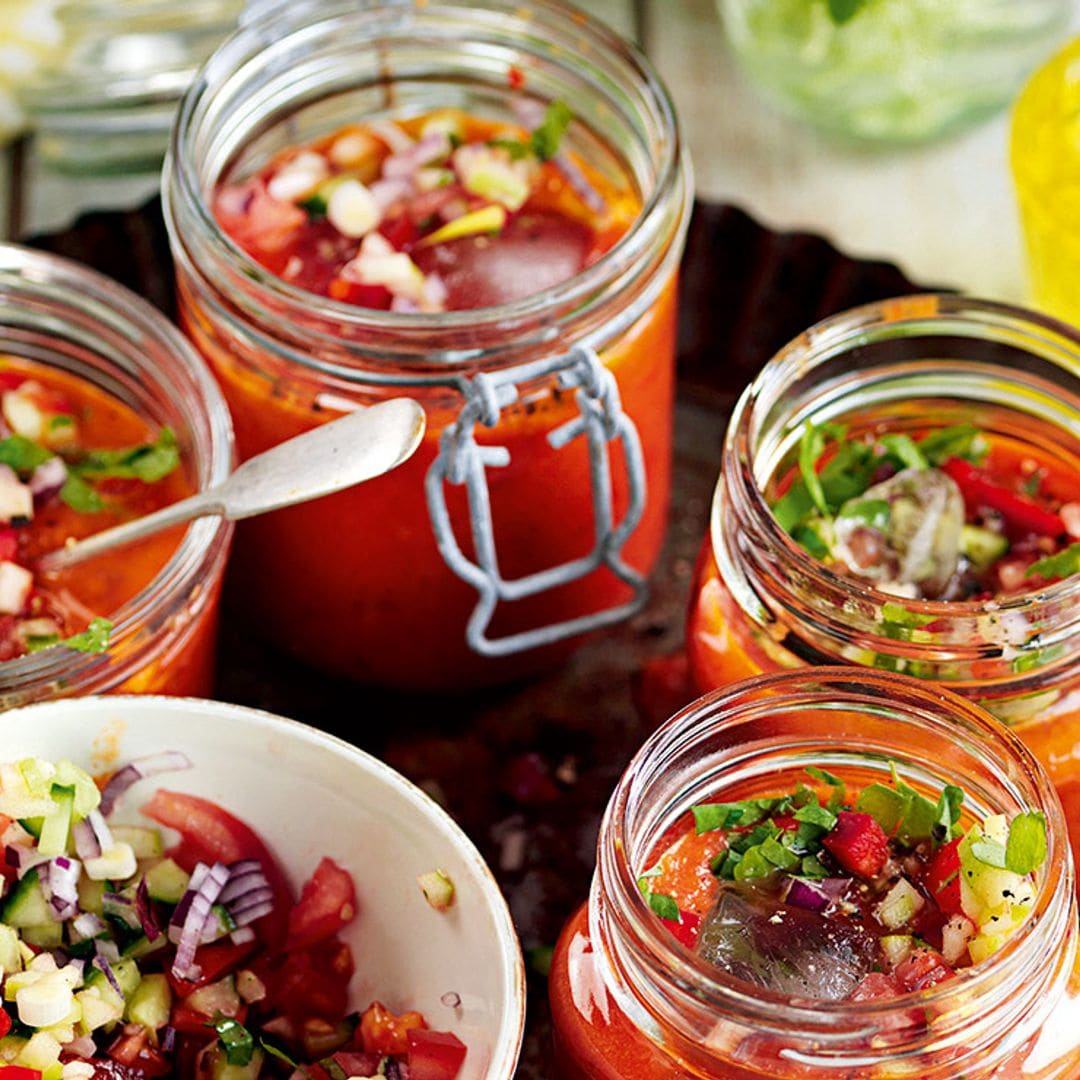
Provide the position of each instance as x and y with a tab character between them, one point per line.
535	507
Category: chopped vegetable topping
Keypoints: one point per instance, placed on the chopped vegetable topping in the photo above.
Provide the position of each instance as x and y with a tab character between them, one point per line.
437	888
876	895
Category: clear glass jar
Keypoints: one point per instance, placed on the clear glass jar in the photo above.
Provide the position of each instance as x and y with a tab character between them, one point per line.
359	583
762	603
56	313
106	99
628	1000
892	71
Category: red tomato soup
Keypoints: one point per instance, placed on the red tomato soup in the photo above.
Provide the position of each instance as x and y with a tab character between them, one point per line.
799	918
76	457
937	535
413	254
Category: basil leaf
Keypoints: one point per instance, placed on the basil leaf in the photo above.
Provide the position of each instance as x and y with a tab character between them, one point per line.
1025	850
883	804
947	811
546	138
149	462
80	496
812	867
1062	565
235	1038
664	906
753	865
823	776
779	855
816	815
22	454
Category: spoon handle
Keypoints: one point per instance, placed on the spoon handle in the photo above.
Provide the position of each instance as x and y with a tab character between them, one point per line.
198	505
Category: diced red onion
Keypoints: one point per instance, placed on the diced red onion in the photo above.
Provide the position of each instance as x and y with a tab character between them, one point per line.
102	832
140	769
835	888
168	1039
209	889
103	965
427	151
250	899
75	963
63	880
48	478
87	925
23	859
241	882
144	907
399	141
249	915
81	1047
107	950
86	843
242	935
803	894
387	192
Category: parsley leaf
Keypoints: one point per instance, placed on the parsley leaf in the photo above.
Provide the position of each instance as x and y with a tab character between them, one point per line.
148	462
546	138
94	639
1061	565
1026	847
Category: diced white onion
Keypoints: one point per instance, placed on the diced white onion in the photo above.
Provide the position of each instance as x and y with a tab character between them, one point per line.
15	585
352	209
44	1002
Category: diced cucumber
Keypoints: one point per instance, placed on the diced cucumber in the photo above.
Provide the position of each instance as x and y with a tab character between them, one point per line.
220	1068
151	1002
901	903
87	795
166	881
49	935
897	948
56	826
222	924
126	973
216	997
37	775
100	1007
41	1051
32	825
146	843
10	1047
143	946
983	547
995	899
26	904
10	959
91	894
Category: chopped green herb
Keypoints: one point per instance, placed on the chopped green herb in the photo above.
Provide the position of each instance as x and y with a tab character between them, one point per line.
898	615
753	865
810	538
904	450
842	11
61	420
710	816
823	776
1026	847
1062	565
333	1069
990	852
947	812
1032	484
148	462
545	140
80	496
22	454
875	512
516	148
235	1038
960	441
816	815
779	855
811	447
812	867
94	639
662	905
883	804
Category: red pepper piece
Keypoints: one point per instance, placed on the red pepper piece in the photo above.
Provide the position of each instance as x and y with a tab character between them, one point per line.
686	929
215	961
367	296
1022	513
5	1023
20	1072
858	843
943	878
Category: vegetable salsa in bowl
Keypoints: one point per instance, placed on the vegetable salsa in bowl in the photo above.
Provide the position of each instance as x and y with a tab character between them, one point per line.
171	919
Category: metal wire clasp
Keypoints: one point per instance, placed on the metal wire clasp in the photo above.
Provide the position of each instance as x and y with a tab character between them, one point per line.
461	460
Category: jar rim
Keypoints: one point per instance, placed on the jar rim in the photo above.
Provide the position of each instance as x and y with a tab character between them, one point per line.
182	182
934	310
79	290
688	974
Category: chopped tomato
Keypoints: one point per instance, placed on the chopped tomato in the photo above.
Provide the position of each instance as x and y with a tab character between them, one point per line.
133	1050
943	878
435	1055
192	1021
20	1072
686	929
858	843
353	292
355	1064
922	969
400	230
220	958
327	904
5	1023
210	834
310	982
9	544
383	1032
877	987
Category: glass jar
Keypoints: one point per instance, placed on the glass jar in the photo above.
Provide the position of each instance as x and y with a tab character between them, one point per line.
762	603
549	419
105	100
628	1000
56	313
892	71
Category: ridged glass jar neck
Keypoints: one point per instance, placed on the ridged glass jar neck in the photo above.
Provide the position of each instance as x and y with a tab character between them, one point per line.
72	319
927	359
759	736
307	70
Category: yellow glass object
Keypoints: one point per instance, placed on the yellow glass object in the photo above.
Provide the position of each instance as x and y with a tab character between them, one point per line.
1045	153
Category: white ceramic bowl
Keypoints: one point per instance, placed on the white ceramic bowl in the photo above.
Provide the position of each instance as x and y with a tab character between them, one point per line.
309	794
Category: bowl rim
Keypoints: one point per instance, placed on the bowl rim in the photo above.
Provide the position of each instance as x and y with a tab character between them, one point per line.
506	1046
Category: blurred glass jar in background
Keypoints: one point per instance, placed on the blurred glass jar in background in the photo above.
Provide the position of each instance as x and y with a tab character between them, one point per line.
892	71
104	98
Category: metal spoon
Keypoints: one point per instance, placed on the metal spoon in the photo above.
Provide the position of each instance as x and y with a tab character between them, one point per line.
357	447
